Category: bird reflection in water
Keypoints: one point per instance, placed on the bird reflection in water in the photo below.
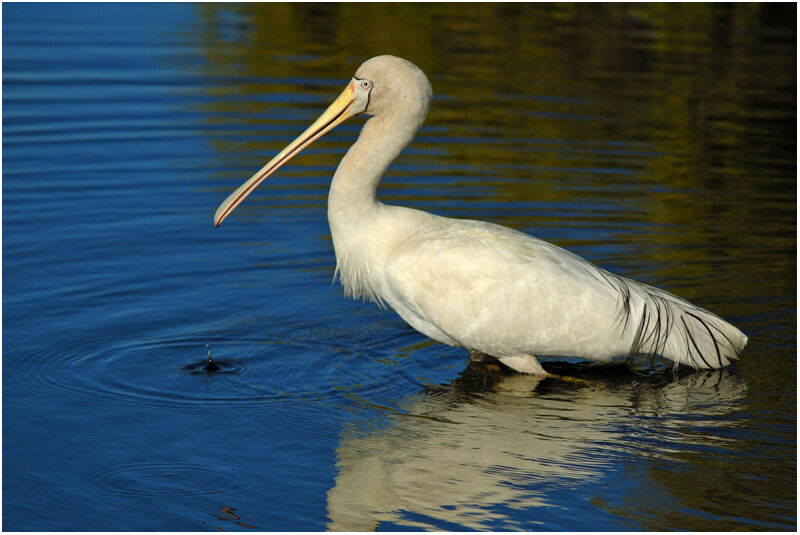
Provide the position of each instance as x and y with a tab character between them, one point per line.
491	440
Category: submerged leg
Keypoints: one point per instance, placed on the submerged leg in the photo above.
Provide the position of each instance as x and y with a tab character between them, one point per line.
477	356
524	364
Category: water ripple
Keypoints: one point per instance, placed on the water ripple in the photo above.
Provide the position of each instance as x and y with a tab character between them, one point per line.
249	368
162	479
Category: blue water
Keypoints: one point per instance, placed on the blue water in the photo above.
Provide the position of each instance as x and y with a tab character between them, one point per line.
662	147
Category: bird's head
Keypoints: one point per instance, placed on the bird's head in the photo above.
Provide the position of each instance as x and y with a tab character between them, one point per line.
396	85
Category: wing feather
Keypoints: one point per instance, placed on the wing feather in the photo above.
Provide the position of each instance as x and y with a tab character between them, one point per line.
502	292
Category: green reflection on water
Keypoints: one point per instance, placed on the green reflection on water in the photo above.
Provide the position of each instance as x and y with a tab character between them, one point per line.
679	95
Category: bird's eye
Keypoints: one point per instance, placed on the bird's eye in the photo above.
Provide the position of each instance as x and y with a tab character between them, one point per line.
366	84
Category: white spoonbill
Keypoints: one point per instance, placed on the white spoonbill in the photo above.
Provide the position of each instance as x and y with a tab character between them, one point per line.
476	285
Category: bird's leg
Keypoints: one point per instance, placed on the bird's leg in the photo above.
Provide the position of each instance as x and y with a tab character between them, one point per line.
524	364
530	364
519	363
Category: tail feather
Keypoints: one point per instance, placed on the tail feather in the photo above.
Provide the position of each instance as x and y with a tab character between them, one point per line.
680	331
660	323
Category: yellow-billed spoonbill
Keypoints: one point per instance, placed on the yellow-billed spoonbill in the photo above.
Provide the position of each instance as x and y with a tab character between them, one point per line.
484	287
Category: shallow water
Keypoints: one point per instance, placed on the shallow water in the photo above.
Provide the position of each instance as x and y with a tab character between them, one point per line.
657	141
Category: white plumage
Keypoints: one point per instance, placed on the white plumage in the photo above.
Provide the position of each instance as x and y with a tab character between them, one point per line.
484	287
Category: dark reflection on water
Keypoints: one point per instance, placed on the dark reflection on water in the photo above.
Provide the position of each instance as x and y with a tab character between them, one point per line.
656	140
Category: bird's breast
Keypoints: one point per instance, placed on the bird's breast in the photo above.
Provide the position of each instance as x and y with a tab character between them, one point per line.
364	240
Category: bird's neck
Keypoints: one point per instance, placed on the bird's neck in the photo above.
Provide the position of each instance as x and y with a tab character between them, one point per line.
355	216
353	189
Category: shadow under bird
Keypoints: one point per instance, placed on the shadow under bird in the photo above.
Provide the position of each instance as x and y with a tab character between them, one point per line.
487	288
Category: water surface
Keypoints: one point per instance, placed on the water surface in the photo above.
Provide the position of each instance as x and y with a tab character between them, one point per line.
658	141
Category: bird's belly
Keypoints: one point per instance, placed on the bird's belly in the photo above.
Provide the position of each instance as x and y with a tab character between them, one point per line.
579	329
500	325
420	323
